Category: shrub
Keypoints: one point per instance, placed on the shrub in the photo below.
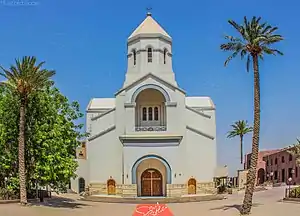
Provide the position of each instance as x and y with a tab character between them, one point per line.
295	193
6	194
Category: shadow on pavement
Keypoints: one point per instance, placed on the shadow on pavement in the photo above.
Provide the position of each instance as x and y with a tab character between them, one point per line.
234	206
59	202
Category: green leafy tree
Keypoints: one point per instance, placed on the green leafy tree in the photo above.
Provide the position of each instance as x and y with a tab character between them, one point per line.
9	118
52	136
23	79
254	41
240	128
295	151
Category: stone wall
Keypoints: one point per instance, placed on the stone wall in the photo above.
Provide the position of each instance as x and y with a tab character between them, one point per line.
176	190
130	190
121	190
206	188
97	189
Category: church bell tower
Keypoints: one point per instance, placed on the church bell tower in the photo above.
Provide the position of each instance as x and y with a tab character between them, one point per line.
149	50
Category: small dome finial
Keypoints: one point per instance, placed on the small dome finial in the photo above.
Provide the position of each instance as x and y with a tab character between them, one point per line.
149	11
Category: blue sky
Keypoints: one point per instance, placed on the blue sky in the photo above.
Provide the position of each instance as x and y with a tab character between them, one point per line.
85	42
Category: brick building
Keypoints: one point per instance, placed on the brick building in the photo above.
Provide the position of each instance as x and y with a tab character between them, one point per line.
261	164
275	165
280	166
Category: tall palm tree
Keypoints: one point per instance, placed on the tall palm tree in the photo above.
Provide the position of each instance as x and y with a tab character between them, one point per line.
254	41
240	128
23	79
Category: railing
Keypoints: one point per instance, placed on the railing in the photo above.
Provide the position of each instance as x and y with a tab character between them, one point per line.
151	128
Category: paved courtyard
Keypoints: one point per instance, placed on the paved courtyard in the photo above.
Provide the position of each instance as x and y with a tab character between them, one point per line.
265	203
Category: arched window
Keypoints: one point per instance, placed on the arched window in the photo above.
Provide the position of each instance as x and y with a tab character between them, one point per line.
156	114
144	114
290	157
134	57
275	161
165	56
149	54
150	113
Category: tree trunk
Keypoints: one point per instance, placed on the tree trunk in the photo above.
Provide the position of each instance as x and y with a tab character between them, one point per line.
251	176
22	173
241	146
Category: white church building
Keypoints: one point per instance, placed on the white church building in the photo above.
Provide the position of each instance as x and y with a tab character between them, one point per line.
151	139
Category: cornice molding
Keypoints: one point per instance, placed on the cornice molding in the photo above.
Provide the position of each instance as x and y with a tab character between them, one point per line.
171	104
130	105
138	51
150	141
146	36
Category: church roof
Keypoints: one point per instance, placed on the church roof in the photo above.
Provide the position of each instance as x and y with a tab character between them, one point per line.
149	26
101	103
199	102
149	75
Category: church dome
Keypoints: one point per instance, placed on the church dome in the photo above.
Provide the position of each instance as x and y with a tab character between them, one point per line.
149	28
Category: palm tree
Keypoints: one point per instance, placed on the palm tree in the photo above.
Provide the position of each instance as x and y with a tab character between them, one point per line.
254	41
24	79
240	128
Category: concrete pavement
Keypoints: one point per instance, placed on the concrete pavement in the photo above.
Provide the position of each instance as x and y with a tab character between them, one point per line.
265	203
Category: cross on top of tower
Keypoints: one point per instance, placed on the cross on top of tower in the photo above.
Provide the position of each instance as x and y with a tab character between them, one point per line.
149	9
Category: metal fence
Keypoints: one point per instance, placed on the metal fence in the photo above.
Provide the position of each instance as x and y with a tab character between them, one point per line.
44	193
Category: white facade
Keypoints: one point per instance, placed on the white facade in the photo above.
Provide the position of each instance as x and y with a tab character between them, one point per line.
151	135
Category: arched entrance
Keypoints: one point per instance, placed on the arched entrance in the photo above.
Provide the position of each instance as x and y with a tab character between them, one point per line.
260	176
111	187
151	183
81	184
192	185
140	171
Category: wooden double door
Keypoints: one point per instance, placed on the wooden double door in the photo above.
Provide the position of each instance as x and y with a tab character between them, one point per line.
151	183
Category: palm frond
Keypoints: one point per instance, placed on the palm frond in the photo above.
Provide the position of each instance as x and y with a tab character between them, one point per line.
243	53
235	25
232	39
239	128
256	38
232	46
230	58
26	76
271	51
